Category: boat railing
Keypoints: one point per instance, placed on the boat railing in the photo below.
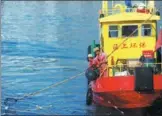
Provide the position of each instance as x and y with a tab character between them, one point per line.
125	69
129	10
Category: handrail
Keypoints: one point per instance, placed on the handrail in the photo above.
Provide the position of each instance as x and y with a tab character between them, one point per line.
127	64
125	67
113	11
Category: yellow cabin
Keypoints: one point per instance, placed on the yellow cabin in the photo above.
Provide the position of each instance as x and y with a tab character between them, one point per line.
127	32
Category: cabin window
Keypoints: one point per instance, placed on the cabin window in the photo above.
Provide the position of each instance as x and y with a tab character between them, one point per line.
113	31
146	30
129	30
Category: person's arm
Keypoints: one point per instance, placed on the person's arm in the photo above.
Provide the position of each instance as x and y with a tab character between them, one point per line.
104	59
94	63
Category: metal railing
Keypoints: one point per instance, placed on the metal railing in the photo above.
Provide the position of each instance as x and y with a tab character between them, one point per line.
129	10
125	69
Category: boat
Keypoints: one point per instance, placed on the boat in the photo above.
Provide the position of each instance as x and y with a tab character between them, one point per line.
127	33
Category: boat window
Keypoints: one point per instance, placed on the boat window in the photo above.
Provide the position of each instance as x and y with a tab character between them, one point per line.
129	30
146	30
113	31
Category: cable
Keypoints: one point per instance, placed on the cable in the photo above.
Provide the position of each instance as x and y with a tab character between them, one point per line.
41	90
125	39
73	77
66	80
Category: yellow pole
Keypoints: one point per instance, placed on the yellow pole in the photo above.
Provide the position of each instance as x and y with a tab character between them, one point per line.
105	7
151	5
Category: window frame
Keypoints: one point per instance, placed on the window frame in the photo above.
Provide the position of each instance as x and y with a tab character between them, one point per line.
138	32
113	31
142	30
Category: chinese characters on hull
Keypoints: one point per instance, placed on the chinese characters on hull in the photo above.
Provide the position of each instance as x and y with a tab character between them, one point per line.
130	45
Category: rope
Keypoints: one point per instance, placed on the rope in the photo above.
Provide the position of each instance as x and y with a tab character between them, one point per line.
115	107
44	89
32	110
71	78
126	38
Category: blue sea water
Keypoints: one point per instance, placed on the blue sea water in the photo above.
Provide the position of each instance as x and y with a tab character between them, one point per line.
45	42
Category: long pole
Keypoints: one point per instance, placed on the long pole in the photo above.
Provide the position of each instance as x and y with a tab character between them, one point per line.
161	52
105	7
112	4
160	58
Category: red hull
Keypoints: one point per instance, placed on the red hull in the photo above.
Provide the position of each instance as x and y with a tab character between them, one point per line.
119	92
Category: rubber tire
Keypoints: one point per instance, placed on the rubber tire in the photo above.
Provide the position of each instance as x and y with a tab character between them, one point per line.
89	97
158	13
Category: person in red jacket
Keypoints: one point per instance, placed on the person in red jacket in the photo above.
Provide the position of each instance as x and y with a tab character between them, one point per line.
100	61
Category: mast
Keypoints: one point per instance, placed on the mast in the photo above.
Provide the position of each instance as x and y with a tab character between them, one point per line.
105	7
